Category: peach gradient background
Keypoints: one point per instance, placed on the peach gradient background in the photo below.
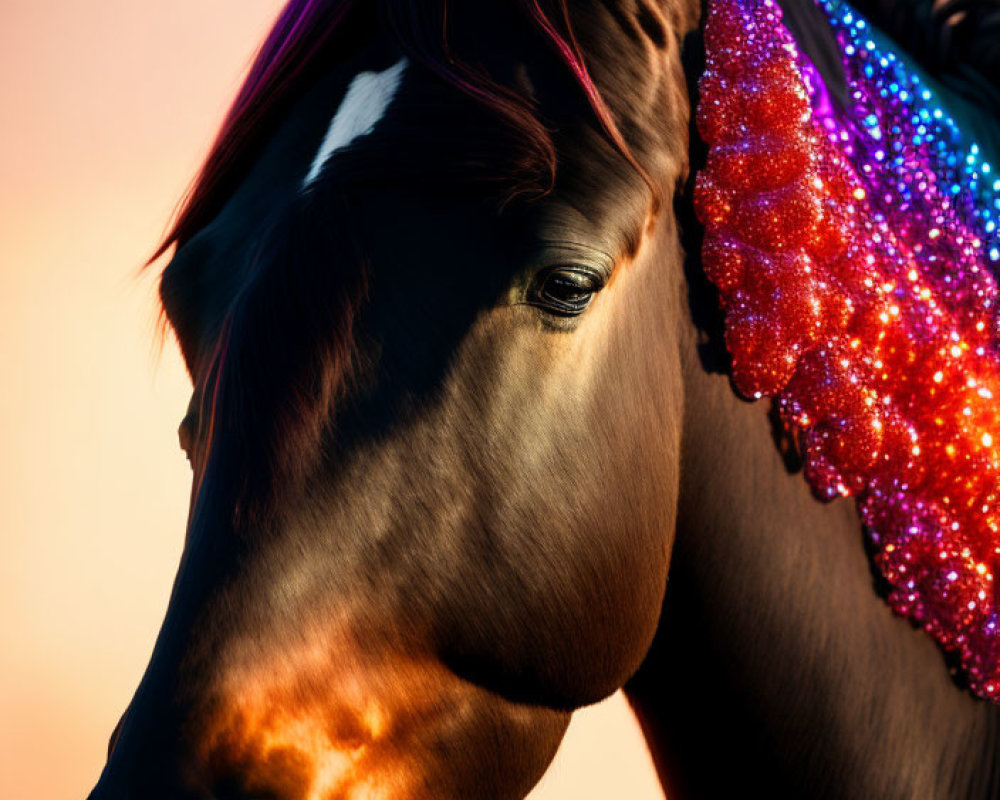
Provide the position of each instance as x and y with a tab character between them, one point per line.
107	110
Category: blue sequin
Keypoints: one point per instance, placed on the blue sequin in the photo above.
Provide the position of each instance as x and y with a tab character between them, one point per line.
957	163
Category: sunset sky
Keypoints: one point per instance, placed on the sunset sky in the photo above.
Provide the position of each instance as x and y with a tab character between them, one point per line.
108	108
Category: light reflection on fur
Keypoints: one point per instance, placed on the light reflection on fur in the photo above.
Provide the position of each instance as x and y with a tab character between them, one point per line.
331	719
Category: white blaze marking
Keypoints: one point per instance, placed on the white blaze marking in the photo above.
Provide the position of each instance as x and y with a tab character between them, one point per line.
363	106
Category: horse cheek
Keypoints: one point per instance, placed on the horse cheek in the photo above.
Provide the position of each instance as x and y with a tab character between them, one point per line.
572	551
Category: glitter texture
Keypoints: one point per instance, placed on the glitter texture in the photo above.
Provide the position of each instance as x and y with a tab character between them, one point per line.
854	251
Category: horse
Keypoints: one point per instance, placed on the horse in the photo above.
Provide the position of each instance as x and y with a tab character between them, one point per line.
465	452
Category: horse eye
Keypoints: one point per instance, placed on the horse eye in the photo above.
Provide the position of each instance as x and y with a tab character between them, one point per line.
566	290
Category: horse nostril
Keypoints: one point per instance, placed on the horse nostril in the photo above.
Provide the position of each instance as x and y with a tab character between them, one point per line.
115	734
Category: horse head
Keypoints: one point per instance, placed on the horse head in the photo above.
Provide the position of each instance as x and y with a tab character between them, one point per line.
429	290
460	402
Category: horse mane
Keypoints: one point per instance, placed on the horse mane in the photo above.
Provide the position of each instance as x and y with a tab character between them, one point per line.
307	34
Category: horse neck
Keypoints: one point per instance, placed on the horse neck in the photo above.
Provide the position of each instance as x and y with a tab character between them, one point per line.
776	665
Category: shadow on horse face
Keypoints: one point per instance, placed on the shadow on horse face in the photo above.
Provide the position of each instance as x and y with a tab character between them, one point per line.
435	438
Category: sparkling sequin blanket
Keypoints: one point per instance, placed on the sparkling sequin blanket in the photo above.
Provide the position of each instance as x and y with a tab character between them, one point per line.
854	251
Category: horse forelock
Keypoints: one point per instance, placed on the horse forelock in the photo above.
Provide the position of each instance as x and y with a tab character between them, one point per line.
302	40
